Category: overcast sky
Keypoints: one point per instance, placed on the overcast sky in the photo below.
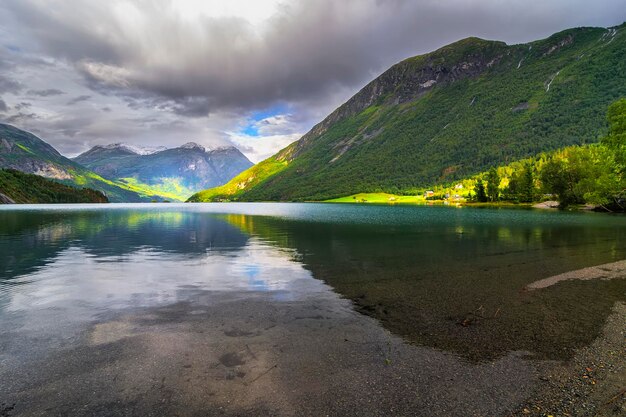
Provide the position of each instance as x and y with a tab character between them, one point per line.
257	73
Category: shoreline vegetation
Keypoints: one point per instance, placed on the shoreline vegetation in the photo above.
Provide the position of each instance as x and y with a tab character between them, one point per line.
392	199
587	177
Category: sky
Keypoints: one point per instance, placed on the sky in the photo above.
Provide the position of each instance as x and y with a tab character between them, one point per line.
256	74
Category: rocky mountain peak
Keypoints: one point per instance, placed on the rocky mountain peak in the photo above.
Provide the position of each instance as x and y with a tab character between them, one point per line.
193	145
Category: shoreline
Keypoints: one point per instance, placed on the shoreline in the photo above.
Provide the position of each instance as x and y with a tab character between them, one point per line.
612	270
591	383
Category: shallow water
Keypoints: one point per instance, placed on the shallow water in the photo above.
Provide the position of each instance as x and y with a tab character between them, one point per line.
449	279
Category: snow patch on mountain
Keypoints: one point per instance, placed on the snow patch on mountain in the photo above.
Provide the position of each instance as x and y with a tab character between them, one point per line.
139	150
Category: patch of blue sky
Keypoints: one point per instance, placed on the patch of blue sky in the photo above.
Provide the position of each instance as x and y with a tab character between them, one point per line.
252	128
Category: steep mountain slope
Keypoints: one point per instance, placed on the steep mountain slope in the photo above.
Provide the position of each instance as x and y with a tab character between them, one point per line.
178	172
19	187
446	115
23	151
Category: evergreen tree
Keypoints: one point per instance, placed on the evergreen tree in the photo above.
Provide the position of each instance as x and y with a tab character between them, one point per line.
493	184
479	189
526	192
616	139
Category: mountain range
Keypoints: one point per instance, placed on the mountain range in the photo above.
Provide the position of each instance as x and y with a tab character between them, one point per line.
23	151
176	172
121	172
446	115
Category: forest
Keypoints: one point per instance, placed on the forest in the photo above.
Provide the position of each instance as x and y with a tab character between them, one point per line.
588	174
33	189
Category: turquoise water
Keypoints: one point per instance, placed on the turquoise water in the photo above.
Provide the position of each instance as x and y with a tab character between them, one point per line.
419	270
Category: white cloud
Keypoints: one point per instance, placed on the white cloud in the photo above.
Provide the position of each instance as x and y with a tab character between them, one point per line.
255	12
258	148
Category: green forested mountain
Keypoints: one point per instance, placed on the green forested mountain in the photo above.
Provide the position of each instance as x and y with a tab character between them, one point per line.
18	187
591	174
447	115
23	151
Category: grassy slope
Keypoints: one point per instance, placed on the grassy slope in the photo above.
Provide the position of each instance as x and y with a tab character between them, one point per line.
169	188
252	177
116	190
29	188
379	198
455	130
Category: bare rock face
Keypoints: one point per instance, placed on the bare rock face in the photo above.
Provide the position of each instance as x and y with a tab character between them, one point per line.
4	199
25	152
52	171
567	41
5	145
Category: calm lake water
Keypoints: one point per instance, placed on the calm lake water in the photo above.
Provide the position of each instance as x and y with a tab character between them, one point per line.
110	309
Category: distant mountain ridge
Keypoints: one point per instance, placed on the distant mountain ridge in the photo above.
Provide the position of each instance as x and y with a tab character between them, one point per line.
123	173
139	150
446	115
177	172
25	152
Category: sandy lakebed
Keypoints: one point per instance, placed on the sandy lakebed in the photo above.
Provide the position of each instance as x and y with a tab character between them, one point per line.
238	356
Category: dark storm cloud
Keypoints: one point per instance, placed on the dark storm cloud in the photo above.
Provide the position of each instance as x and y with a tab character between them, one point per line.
8	85
22	106
78	99
306	51
191	106
46	93
3	106
21	118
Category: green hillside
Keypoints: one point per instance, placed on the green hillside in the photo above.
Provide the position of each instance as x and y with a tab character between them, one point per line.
592	174
33	189
23	151
447	115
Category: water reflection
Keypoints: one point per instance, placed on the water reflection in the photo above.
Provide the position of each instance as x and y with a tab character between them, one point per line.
446	278
33	238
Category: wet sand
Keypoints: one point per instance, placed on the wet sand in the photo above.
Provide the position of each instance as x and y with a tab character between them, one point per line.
611	270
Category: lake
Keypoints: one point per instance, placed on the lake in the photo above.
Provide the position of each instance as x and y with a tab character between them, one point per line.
293	309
